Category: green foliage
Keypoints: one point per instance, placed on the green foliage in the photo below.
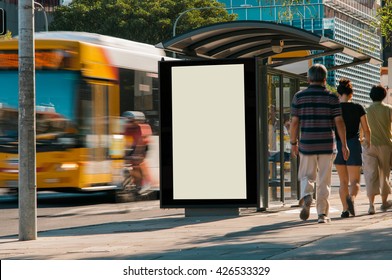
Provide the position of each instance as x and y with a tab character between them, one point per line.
384	16
148	21
6	36
332	89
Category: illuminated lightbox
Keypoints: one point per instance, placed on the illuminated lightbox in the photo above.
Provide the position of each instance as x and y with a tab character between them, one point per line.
208	133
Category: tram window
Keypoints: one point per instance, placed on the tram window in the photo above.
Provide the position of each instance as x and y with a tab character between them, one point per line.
85	109
93	118
100	121
143	92
127	89
139	92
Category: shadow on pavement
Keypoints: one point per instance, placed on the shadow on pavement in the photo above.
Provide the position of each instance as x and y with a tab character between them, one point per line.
362	245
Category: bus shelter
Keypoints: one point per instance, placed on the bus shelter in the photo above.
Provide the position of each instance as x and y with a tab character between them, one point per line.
283	54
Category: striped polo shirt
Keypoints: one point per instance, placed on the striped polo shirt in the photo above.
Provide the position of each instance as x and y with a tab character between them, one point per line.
316	108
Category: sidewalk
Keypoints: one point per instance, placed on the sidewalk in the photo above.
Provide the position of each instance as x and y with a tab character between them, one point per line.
277	234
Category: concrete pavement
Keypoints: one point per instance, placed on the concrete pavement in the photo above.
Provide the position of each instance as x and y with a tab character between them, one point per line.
276	234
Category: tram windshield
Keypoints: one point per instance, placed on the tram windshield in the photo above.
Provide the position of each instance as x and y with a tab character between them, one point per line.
55	103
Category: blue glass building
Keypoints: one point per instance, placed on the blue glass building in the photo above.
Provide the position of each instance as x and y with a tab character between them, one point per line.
348	22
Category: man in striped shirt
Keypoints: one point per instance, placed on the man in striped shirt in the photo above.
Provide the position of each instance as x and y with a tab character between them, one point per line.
315	112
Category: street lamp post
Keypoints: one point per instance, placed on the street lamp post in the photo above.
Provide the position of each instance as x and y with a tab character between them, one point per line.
43	10
27	179
189	10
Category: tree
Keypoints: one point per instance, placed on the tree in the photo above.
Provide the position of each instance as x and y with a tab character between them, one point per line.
148	21
384	16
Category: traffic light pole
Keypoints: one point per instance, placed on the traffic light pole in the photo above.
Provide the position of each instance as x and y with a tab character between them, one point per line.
27	150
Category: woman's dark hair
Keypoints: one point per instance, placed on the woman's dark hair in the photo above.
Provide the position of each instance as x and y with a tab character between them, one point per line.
345	87
378	93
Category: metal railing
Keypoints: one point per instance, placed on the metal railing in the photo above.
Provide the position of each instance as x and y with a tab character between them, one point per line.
354	8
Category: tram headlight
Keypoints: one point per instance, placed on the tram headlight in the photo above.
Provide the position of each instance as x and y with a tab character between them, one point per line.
68	166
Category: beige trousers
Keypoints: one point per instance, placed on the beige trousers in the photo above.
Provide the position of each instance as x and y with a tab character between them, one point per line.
316	169
376	168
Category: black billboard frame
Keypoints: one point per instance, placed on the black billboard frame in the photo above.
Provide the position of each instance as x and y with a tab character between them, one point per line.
167	199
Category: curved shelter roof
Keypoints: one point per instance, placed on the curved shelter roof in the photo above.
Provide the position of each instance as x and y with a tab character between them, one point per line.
240	39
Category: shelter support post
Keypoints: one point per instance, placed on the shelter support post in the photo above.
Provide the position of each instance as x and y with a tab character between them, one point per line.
262	133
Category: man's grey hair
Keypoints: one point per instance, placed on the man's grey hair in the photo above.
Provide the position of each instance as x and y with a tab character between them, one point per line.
317	73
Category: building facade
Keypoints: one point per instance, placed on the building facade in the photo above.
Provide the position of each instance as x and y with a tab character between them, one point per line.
42	14
348	22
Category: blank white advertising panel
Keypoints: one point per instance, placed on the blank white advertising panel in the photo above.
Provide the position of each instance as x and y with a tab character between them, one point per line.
208	115
208	133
